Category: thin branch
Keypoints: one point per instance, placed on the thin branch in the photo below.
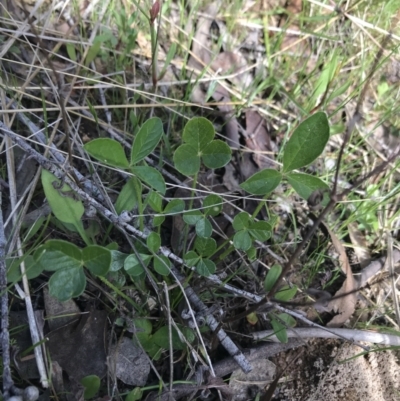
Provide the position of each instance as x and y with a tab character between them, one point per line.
348	334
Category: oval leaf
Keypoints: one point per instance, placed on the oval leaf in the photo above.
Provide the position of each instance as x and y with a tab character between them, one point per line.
287	320
203	228
92	385
161	337
153	242
192	217
305	185
117	260
205	267
174	206
155	201
62	201
107	151
146	139
286	293
162	265
263	182
205	246
67	283
241	221
307	142
66	247
129	195
133	266
216	154
191	258
56	260
260	230
187	160
135	395
242	240
212	205
151	177
198	132
97	259
279	330
273	274
32	268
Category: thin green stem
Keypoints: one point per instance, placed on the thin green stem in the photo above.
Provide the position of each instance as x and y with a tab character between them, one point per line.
121	294
192	195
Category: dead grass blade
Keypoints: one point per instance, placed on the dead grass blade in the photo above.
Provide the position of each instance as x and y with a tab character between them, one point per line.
344	305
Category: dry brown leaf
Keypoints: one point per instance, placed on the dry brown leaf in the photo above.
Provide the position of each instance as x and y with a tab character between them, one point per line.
360	245
343	305
258	138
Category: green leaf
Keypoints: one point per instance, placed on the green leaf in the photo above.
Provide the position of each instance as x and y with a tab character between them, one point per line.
191	258
135	395
192	217
107	151
71	51
151	177
67	283
198	132
32	268
174	206
263	182
52	260
92	53
279	330
203	228
241	221
158	220
242	240
64	207
326	76
272	276
117	260
205	246
205	267
216	154
168	58
260	230
287	320
252	253
162	265
155	201
143	326
153	242
65	247
161	337
146	139
187	160
129	195
286	293
133	266
97	259
92	385
307	142
198	135
212	205
305	185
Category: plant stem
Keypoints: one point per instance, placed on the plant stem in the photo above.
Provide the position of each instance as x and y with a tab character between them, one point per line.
121	294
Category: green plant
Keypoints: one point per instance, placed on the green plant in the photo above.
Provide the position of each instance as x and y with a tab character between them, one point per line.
67	260
91	384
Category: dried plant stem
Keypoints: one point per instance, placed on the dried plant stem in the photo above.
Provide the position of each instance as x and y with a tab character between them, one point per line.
349	334
26	296
5	335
